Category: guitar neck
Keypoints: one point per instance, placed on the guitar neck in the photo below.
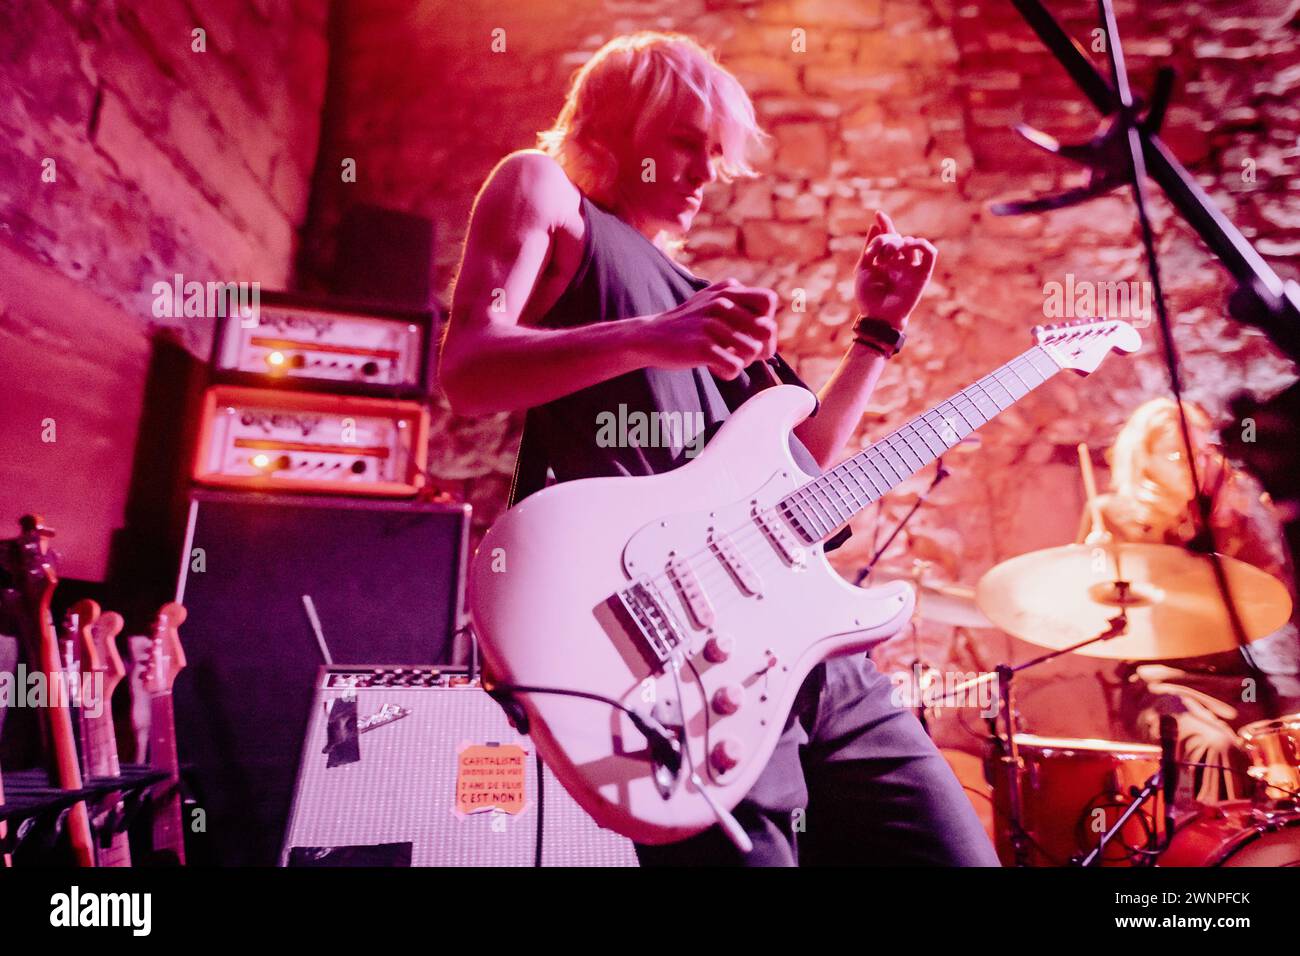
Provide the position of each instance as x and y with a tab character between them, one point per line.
102	761
4	826
168	835
101	745
817	509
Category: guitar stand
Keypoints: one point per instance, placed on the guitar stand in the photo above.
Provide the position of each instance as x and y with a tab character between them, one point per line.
1009	758
35	810
120	818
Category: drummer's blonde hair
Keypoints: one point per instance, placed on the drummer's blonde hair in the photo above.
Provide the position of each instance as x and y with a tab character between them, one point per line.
1131	453
629	84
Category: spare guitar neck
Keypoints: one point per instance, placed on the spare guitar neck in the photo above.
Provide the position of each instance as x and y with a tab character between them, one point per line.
101	672
161	658
35	567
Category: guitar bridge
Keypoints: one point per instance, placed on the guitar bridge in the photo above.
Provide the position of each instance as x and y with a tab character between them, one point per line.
660	631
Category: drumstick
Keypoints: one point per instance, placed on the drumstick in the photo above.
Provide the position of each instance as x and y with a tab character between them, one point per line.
1090	490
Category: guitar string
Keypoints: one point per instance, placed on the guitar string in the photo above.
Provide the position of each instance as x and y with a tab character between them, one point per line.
742	538
713	569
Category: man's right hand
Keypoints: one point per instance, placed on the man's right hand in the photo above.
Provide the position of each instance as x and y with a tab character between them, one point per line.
724	327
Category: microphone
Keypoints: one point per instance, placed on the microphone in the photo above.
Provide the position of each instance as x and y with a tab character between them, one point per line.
1169	767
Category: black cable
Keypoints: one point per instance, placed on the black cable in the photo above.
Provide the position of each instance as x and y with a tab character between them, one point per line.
541	803
1136	168
490	686
637	719
664	746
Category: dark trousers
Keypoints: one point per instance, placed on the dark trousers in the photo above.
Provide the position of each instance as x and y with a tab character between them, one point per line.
853	780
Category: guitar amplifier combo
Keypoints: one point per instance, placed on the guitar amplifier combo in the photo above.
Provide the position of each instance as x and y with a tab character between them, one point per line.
275	587
419	767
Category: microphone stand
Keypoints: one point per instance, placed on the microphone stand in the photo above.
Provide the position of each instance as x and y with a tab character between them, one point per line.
1118	157
940	474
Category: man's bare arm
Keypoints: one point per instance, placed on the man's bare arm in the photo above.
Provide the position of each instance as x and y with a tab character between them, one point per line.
842	402
490	362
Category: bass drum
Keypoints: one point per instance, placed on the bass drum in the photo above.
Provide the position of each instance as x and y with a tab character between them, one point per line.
1231	834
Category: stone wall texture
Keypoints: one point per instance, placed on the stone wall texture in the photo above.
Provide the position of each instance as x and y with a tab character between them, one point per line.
128	155
170	160
903	105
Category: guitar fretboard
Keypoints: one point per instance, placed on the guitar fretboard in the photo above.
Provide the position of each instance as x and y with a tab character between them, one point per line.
168	834
817	509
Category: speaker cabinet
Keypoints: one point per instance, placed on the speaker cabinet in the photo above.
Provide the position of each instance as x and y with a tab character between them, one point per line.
386	581
418	787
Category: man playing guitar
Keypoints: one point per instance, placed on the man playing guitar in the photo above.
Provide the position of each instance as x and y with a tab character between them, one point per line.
569	304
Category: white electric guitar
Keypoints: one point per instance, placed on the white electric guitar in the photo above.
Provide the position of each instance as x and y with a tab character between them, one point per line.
698	600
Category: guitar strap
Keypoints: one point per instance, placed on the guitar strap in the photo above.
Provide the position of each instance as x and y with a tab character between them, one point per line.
530	463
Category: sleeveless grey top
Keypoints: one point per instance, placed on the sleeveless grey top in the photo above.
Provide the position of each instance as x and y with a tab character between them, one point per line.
647	421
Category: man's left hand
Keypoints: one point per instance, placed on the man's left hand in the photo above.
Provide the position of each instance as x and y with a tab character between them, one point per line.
892	273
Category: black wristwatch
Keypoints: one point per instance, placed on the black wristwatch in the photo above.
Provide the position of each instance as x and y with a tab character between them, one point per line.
878	334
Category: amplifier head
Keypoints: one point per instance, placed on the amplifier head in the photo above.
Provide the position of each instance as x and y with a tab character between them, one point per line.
306	343
269	440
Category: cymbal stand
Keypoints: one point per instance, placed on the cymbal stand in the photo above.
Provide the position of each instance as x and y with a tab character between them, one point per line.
1011	765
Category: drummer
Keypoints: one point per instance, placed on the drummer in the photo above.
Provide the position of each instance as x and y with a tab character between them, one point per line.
1151	501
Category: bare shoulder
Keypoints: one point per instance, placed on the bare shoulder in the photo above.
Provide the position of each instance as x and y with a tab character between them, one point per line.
533	186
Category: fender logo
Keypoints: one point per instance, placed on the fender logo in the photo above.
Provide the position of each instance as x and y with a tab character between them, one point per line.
385	715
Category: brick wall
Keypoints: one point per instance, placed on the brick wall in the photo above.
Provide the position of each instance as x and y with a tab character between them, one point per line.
171	160
128	156
896	104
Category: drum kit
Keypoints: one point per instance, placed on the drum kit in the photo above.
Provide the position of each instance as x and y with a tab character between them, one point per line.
1061	801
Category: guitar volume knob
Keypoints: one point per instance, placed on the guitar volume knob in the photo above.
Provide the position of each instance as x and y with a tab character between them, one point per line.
718	648
728	698
725	754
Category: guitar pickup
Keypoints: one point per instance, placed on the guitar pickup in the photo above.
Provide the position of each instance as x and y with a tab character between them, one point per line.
775	532
736	565
692	593
652	619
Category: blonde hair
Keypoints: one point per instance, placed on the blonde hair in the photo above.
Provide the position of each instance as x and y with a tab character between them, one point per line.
632	82
1131	452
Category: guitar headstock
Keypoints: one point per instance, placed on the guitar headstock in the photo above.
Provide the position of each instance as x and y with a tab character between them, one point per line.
164	658
1081	345
32	562
75	633
99	650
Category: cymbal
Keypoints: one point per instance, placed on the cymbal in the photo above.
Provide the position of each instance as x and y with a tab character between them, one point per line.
1058	597
949	604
